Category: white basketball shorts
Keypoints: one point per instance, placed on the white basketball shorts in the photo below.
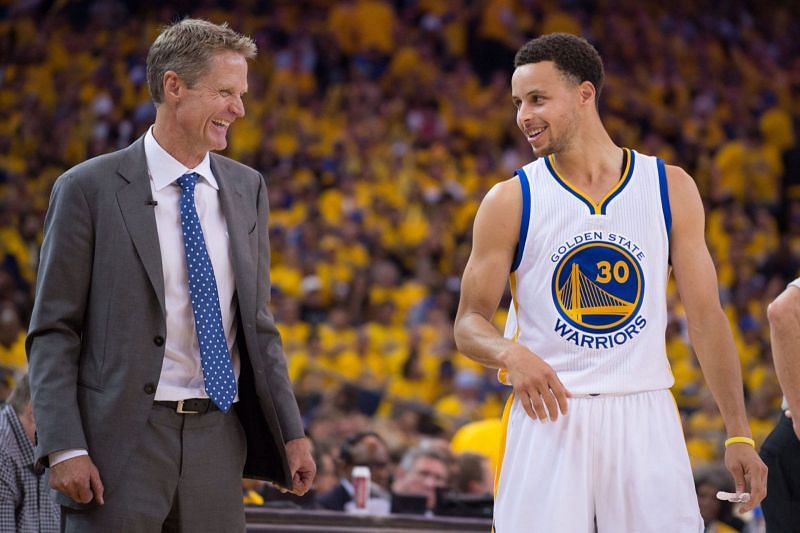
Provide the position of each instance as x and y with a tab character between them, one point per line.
617	463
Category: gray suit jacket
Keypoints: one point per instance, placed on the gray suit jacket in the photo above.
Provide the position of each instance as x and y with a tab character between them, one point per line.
96	339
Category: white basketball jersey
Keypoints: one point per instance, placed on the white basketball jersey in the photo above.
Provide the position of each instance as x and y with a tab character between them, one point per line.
589	280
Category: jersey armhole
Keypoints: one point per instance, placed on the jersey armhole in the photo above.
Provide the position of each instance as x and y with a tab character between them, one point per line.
524	220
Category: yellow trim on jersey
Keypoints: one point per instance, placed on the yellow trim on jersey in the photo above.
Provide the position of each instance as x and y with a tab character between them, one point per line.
596	206
502	373
504	424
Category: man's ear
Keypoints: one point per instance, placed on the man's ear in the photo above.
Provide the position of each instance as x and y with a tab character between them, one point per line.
587	92
173	85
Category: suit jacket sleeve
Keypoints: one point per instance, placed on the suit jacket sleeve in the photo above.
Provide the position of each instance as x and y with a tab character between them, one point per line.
55	334
269	340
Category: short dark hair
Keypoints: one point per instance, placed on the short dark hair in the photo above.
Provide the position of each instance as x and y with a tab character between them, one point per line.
346	451
470	468
574	56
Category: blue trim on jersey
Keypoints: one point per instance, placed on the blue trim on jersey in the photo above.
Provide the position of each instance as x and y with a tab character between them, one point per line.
569	189
526	218
625	180
662	184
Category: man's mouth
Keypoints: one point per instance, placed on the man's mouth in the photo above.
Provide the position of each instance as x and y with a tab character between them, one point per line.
533	133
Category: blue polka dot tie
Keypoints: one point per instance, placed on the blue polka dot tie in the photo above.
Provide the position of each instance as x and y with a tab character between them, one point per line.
218	377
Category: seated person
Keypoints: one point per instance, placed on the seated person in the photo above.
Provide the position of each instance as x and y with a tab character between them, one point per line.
420	473
365	448
473	475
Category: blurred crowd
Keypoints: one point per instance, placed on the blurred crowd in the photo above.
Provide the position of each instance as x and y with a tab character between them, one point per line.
380	126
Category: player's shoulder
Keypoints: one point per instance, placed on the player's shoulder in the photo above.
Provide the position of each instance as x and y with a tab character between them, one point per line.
498	216
681	184
503	195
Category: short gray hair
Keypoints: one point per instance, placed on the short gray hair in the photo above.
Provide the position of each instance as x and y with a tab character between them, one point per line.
186	48
21	395
413	455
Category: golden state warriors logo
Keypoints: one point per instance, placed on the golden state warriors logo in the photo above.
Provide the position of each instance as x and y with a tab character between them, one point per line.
598	287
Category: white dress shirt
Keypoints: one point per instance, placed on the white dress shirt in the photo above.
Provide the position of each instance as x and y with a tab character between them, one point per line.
181	372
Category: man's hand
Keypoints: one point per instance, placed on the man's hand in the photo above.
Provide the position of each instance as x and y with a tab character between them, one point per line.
535	384
79	479
301	464
748	471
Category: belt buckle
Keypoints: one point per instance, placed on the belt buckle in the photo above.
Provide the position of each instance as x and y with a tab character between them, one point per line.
181	411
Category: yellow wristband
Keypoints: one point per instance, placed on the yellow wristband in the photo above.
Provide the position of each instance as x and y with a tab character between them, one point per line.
742	440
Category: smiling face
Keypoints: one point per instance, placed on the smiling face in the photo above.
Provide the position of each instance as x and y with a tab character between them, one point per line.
548	106
203	113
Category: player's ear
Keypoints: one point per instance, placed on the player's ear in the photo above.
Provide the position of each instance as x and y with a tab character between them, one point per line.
587	92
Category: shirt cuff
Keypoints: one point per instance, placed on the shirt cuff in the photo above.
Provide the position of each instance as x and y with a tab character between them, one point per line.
63	455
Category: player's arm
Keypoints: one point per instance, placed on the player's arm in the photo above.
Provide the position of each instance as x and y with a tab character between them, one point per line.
784	324
709	330
494	241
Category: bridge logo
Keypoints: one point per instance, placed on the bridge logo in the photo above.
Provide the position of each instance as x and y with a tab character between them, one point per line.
598	287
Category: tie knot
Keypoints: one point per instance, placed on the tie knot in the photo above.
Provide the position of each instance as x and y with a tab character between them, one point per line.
188	181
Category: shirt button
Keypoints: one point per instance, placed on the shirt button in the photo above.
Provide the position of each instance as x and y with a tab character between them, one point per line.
149	388
158	340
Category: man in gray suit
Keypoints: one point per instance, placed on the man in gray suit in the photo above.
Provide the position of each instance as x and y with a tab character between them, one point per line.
157	371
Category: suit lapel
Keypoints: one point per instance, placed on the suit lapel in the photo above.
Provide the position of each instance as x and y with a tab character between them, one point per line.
138	214
233	198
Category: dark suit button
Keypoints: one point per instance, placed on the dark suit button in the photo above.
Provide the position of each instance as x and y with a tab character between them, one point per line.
158	340
149	388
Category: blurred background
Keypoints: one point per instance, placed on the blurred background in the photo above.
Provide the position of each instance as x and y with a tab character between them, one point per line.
379	126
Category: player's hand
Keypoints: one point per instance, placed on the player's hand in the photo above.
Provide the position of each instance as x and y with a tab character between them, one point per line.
749	473
535	383
79	479
301	464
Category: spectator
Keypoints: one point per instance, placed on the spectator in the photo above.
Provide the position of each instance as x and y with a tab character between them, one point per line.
12	338
717	514
362	449
26	500
326	473
6	383
473	475
420	473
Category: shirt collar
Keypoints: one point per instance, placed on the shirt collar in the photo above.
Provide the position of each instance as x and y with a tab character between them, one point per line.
165	169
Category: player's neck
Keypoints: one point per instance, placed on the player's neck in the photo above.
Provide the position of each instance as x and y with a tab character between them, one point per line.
591	158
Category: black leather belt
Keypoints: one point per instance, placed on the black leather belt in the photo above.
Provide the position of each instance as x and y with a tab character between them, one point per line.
192	406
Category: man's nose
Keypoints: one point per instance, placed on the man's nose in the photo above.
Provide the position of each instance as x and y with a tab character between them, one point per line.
237	107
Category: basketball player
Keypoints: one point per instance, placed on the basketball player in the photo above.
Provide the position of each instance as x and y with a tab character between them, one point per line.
588	231
781	449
